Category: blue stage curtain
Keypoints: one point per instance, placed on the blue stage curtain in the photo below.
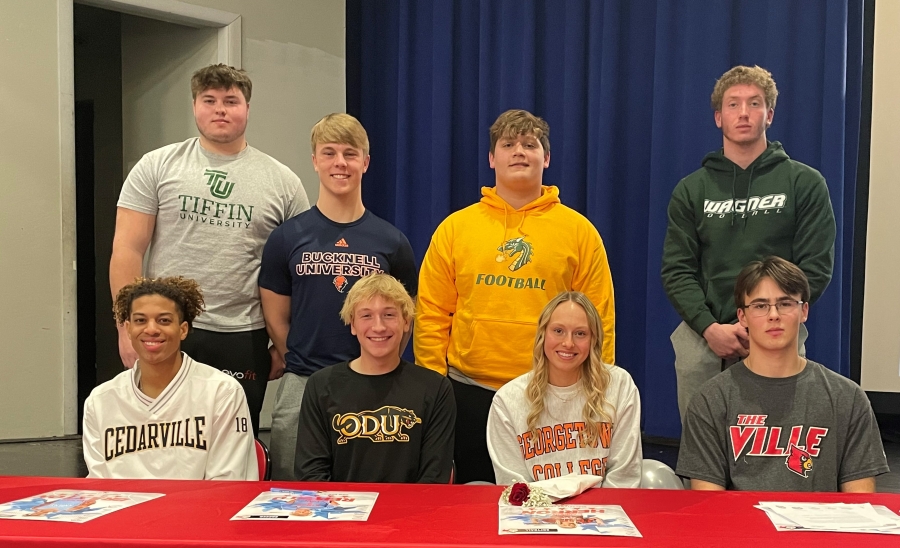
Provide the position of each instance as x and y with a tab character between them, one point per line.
625	86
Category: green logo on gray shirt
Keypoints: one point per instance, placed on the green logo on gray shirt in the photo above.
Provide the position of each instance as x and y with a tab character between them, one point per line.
218	186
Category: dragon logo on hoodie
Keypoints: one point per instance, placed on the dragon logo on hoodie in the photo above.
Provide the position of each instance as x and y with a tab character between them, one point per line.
517	246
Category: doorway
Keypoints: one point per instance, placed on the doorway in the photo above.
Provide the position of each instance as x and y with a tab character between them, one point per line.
132	95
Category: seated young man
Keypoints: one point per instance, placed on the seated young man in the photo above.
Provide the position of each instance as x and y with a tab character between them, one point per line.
377	418
781	422
168	417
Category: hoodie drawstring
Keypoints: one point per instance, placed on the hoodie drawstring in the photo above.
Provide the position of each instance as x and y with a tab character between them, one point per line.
749	185
502	255
733	200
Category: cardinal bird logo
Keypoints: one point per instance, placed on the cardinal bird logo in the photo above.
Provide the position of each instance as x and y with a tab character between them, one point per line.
799	461
340	283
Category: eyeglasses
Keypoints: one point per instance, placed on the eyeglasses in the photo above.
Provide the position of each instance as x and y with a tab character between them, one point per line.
784	308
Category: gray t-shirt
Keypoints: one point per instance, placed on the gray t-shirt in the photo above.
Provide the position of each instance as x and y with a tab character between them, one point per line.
810	432
213	216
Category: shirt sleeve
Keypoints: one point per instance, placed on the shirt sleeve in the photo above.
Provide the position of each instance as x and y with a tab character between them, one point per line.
623	467
436	461
701	455
593	278
314	459
232	449
503	444
91	443
299	201
813	249
274	274
139	192
863	453
403	266
681	263
436	303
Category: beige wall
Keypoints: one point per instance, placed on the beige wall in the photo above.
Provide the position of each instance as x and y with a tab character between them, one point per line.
294	52
37	283
881	329
158	60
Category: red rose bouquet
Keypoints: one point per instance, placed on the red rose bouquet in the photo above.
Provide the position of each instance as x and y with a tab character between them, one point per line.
521	494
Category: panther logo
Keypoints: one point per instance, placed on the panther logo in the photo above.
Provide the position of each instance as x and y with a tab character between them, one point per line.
799	461
385	424
340	283
516	246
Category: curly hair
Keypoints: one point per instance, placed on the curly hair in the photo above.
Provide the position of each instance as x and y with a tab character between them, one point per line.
595	376
740	74
184	292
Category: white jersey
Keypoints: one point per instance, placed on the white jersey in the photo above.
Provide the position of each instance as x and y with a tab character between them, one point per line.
197	428
518	455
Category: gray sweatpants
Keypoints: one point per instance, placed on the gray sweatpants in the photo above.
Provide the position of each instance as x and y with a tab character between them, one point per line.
696	363
285	419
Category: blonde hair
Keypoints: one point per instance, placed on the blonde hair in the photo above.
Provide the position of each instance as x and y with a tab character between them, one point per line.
739	75
339	128
595	376
374	285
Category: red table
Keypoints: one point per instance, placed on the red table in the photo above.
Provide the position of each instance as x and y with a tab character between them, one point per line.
197	513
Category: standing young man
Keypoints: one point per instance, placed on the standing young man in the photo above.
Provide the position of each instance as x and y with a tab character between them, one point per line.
311	262
488	273
749	200
205	208
777	421
377	417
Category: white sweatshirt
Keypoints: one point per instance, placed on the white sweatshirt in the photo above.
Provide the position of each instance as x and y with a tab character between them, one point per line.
518	456
197	428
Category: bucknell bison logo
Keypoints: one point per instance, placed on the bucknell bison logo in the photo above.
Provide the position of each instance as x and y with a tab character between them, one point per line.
340	283
799	461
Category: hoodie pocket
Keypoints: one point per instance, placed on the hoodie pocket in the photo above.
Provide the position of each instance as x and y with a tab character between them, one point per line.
499	350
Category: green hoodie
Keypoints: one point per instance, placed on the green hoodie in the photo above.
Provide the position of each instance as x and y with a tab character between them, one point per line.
721	217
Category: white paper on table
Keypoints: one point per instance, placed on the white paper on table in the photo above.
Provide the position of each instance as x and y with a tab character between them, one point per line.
830	516
70	505
783	524
304	505
566	519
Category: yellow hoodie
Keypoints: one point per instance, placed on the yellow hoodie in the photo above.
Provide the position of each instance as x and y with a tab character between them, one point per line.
489	272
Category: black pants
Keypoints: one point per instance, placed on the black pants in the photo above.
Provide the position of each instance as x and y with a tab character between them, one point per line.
243	355
470	454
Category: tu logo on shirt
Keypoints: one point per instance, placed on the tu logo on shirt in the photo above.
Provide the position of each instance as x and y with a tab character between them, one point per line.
218	186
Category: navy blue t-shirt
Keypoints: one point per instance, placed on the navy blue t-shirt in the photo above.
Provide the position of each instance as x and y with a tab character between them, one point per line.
316	260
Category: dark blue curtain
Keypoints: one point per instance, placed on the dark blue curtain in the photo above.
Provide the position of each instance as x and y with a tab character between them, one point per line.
625	86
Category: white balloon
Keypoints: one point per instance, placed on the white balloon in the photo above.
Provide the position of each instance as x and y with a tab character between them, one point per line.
656	475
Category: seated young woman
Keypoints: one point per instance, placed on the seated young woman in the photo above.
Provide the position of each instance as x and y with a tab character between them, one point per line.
571	412
168	417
